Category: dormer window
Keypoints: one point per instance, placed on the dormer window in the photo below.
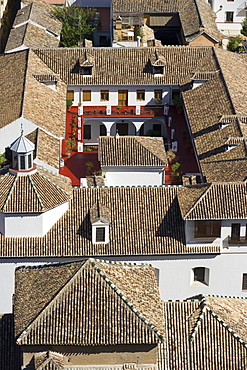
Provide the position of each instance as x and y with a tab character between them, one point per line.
86	71
100	216
86	63
158	70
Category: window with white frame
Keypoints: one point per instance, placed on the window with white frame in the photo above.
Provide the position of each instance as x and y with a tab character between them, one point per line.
100	232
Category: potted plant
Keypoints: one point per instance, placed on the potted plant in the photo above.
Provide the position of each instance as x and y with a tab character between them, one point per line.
69	103
70	144
89	166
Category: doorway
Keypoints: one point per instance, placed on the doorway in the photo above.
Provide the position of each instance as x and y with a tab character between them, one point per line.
123	129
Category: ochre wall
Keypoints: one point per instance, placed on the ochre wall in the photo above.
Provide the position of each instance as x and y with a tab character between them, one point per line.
98	355
203	40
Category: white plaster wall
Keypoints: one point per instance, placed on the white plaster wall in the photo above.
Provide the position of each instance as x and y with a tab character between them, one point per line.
10	132
228	6
113	94
46	165
116	176
175	274
36	225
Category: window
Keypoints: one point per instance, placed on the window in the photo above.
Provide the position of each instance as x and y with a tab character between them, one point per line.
235	232
86	95
102	130
87	132
70	94
104	95
244	282
22	164
15	162
207	229
29	160
229	16
158	70
100	234
158	94
140	95
200	276
86	71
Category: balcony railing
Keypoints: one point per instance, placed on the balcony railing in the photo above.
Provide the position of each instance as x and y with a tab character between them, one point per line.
150	111
241	240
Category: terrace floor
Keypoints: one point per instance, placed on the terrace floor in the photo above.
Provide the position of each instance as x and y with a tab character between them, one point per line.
75	164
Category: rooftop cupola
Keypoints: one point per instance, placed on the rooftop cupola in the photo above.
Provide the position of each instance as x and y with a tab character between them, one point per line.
22	154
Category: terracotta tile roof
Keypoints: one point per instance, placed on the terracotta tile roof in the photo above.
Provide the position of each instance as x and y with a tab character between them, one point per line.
32	100
132	151
13	79
47	147
30	36
207	20
215	201
30	25
125	66
48	361
212	120
97	304
197	329
37	192
40	13
143	221
99	212
196	15
10	352
234	70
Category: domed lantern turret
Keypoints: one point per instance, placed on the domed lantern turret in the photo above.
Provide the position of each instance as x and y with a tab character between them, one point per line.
22	154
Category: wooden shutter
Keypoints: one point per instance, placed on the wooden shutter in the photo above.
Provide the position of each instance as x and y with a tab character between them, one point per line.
86	95
123	98
70	94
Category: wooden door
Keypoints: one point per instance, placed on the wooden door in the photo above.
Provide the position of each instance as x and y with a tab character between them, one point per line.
123	98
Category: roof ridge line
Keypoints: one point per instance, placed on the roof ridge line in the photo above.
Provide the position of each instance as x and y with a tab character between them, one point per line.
64	287
10	192
199	199
36	192
51	182
199	319
137	137
120	293
222	322
225	84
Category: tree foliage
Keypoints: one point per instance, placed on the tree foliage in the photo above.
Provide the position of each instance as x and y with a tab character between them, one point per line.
234	44
78	24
